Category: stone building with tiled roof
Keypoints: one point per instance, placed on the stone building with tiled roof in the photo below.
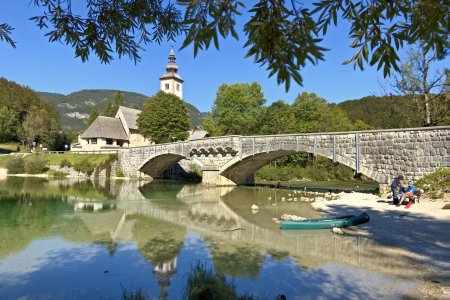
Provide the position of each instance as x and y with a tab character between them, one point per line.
107	133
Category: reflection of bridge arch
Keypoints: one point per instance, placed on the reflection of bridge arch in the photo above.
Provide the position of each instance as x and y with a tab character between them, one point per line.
309	250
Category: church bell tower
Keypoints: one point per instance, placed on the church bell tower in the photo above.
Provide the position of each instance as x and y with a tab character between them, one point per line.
171	82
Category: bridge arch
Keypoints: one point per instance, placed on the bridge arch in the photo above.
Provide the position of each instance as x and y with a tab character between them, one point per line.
241	170
156	165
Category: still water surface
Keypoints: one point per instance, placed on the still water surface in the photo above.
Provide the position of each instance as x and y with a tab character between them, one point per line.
90	240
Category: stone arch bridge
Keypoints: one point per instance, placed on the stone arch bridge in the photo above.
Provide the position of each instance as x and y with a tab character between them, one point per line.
232	160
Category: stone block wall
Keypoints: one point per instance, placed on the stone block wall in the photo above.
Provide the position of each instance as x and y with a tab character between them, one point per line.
378	154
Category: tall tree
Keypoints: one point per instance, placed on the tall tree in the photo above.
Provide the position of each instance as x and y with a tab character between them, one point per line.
335	119
9	122
92	116
236	110
378	28
310	110
164	119
427	93
16	103
33	128
112	106
278	118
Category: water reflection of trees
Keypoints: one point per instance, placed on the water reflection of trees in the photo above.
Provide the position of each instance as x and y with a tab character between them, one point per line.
24	218
68	187
236	259
158	241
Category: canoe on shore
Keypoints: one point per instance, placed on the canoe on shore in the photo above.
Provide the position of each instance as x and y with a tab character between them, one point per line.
326	223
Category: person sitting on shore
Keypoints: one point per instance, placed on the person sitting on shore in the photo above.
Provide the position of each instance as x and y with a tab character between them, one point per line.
408	193
396	185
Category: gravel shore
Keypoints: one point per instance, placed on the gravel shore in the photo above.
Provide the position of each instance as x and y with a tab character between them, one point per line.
423	230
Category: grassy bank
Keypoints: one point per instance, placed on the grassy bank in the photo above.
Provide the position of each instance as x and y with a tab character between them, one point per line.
37	163
11	147
72	158
95	159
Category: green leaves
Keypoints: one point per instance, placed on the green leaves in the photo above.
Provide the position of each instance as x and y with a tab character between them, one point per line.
205	19
282	39
236	110
164	119
5	32
281	35
110	27
383	27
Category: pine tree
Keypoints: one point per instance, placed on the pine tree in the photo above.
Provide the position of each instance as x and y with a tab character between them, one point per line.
92	116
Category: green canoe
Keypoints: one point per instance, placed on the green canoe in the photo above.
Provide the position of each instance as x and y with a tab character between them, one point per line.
326	223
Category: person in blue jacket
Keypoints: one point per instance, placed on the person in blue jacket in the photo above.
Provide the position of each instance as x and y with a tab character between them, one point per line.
408	193
396	185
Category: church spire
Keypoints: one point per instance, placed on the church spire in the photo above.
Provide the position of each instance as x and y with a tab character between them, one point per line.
172	65
171	82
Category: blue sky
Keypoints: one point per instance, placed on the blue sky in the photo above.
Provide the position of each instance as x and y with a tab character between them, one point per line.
52	67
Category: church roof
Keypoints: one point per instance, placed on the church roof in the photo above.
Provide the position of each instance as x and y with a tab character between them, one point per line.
130	115
105	127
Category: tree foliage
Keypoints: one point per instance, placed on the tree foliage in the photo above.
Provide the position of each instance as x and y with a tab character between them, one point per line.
236	110
278	118
113	105
280	35
92	116
164	119
427	93
23	115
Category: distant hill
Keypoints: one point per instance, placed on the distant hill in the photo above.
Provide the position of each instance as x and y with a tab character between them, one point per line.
74	108
380	112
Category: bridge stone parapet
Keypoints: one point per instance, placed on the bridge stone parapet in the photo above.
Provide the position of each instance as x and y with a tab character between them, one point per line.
378	154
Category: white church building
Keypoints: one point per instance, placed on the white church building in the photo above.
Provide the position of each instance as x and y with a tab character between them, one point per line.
106	134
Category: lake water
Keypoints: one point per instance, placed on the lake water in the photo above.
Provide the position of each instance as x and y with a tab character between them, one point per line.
68	239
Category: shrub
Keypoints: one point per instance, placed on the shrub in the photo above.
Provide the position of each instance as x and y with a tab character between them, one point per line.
435	181
437	195
16	165
84	166
204	283
446	206
35	165
65	163
119	173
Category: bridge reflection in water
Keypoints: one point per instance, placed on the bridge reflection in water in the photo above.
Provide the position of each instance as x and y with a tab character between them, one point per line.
213	212
160	216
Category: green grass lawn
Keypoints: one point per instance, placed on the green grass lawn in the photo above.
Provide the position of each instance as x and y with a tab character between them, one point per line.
73	158
11	147
56	159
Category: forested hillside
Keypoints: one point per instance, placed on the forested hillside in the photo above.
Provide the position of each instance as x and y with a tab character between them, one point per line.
384	112
26	118
74	108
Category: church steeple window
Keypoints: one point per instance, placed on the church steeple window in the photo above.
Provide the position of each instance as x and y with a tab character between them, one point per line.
171	81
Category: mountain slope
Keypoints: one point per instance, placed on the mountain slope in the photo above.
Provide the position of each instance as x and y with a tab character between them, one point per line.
74	108
380	112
